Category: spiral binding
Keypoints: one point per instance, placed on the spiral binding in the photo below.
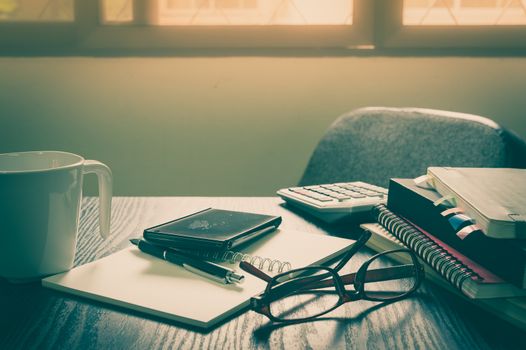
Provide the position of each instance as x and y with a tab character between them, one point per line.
454	270
234	257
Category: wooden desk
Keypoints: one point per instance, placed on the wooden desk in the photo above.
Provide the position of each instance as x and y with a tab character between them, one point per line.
34	317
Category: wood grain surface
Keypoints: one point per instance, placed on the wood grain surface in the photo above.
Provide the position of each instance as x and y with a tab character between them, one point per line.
33	317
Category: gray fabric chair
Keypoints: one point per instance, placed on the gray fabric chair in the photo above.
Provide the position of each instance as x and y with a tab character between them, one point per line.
375	144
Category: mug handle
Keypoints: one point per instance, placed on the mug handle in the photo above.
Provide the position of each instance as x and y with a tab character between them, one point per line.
105	192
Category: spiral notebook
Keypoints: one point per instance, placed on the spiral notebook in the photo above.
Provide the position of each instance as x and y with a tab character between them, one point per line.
233	257
512	310
464	274
137	281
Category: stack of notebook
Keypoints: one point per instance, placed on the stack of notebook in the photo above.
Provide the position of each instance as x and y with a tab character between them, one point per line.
468	225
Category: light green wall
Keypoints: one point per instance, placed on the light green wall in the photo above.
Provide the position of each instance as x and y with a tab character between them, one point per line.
229	125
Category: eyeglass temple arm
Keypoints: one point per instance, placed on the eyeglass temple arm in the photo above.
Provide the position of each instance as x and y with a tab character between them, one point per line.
376	275
303	283
356	246
314	282
384	274
247	267
251	269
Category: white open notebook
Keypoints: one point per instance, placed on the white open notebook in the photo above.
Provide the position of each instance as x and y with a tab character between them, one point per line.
138	281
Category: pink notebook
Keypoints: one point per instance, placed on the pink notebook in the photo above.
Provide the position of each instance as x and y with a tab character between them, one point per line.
484	275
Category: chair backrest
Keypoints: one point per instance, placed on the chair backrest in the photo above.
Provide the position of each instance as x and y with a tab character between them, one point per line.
375	144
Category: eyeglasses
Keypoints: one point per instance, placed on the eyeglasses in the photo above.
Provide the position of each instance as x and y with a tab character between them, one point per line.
306	293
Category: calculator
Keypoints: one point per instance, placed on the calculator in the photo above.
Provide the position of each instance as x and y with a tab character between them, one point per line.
334	202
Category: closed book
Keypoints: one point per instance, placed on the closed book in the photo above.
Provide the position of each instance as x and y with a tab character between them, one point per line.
467	276
506	258
494	197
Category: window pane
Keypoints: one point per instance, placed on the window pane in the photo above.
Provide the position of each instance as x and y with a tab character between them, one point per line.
464	12
117	11
229	12
37	10
254	12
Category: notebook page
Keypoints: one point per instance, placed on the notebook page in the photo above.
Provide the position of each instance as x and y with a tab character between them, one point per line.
138	281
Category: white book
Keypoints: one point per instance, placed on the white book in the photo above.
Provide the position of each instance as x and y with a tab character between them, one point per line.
494	197
138	281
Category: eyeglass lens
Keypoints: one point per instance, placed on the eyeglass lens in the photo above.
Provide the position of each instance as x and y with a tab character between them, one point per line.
293	300
391	287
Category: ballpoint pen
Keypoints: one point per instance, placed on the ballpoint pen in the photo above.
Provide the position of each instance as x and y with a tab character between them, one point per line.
201	267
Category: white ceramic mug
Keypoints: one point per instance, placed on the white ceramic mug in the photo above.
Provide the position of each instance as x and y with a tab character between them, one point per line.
40	196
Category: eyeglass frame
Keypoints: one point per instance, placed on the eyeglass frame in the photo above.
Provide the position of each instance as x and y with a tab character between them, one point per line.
261	303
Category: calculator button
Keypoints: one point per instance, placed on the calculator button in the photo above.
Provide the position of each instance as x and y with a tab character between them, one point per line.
340	196
371	193
345	185
325	199
326	192
311	194
303	192
330	187
356	195
319	196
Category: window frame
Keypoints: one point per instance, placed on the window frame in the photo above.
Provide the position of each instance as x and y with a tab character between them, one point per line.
143	36
21	35
377	28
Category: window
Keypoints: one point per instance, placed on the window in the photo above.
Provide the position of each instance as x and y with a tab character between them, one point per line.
181	24
464	12
233	12
36	24
36	10
458	24
153	25
116	11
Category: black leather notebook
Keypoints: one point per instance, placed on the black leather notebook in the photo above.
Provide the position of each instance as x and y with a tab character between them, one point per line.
214	229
